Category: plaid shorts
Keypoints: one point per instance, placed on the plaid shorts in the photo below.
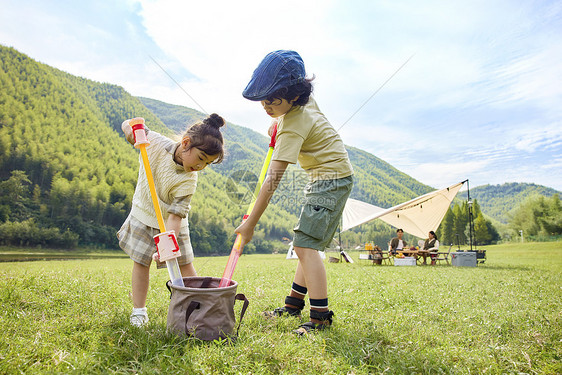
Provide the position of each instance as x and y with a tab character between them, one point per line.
324	201
136	239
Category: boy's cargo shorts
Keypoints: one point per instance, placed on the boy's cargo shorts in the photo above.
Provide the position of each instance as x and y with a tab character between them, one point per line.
324	201
136	239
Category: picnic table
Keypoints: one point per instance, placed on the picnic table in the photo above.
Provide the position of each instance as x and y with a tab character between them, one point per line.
376	256
415	253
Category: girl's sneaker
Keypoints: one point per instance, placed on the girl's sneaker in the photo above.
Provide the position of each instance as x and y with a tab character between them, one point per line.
139	317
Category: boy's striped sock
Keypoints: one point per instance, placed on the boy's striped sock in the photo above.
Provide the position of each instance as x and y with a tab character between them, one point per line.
298	292
319	306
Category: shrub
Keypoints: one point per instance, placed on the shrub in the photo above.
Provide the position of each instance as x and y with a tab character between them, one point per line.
28	233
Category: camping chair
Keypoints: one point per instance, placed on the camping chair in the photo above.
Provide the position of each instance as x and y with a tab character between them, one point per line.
421	244
389	256
443	256
385	256
379	256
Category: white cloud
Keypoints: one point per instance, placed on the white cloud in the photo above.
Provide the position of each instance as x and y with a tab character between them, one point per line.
222	42
540	137
442	174
554	164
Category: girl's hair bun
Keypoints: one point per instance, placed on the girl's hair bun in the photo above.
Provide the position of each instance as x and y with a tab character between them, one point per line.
206	136
214	120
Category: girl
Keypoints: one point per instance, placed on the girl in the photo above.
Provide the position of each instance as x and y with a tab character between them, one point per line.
304	135
174	167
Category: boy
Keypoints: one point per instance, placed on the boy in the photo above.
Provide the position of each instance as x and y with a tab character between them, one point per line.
304	135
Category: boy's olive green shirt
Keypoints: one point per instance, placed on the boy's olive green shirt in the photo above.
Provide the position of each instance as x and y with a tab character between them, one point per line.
305	135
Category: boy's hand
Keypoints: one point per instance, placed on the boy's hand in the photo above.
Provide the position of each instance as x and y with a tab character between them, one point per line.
246	232
271	128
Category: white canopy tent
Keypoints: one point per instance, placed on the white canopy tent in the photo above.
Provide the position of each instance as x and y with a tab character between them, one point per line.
417	216
291	254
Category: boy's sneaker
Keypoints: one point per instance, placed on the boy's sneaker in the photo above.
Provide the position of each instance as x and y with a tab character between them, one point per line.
308	327
325	319
139	317
281	311
287	310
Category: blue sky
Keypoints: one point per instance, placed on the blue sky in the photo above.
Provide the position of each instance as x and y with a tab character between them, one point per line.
480	98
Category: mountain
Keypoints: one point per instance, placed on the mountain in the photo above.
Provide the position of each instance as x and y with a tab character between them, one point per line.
497	201
66	168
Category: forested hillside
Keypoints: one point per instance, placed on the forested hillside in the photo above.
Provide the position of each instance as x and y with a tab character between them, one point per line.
497	201
58	130
66	169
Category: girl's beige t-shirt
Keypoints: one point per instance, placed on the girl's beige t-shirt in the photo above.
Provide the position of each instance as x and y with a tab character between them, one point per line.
170	179
305	135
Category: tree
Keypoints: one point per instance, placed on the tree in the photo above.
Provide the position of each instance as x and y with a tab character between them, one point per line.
460	222
476	208
538	216
494	235
15	196
16	187
446	229
481	234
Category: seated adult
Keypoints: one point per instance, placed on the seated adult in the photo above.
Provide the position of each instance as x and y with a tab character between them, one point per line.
430	247
397	243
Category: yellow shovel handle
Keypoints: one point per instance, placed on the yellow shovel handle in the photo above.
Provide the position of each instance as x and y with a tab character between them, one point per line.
153	195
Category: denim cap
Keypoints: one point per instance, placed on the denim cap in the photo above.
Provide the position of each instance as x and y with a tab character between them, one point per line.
278	69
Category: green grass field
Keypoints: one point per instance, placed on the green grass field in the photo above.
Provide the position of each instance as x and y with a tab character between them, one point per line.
504	317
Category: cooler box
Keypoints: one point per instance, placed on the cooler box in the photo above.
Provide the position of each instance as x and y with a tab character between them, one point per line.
406	261
480	255
463	259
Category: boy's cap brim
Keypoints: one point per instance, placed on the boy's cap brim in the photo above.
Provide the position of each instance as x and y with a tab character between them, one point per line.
277	70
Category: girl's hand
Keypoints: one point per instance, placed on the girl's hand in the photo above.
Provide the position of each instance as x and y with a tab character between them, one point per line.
156	258
128	131
246	232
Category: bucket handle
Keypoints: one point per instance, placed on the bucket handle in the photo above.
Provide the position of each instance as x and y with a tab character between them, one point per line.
192	307
241	297
204	284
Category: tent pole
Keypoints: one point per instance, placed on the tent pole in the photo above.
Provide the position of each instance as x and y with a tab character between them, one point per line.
470	216
339	237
